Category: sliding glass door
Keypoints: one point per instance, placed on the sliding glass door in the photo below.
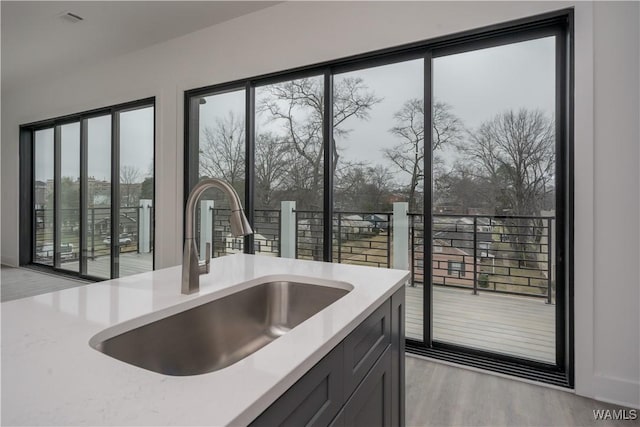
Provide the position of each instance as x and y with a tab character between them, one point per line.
85	222
494	199
448	158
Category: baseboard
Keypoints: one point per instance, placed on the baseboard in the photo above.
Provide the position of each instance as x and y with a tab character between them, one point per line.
9	262
617	391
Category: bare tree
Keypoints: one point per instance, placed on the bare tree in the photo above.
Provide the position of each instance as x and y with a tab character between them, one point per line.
272	167
364	188
298	106
465	187
129	177
222	150
408	154
515	151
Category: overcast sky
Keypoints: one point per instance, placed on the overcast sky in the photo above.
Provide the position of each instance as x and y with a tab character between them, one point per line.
136	146
478	85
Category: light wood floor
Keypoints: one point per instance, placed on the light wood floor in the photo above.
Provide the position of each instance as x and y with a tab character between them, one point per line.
19	283
23	282
519	326
442	395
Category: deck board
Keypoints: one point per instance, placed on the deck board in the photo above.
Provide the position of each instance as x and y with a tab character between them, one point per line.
513	325
130	263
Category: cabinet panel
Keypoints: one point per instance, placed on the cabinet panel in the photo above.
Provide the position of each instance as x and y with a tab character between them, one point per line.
397	358
366	370
370	405
364	345
313	401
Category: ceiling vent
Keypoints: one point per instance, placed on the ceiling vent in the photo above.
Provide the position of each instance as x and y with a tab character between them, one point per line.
72	17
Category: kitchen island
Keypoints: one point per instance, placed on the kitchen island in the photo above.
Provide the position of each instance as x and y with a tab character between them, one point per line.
52	376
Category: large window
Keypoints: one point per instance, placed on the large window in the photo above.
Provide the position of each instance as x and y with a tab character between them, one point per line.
76	226
447	158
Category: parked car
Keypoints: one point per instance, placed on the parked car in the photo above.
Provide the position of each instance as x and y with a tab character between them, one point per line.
123	240
46	251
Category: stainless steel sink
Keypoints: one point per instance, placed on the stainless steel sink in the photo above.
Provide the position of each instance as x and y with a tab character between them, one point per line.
219	333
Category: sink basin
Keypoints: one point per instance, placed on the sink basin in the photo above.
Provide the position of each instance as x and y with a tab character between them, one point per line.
221	332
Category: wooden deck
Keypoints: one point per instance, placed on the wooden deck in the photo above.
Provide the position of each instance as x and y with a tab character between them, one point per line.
130	263
517	326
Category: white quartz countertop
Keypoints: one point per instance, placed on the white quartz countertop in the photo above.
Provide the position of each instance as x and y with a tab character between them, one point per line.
51	376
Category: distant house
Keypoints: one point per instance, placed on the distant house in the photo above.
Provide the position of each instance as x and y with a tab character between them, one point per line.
450	265
353	224
380	222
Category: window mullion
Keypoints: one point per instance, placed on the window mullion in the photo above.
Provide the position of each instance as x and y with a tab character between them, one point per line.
57	161
329	147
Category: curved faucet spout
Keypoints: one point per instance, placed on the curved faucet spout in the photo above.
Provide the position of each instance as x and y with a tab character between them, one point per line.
191	268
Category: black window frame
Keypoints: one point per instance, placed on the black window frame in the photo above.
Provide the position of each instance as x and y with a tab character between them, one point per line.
27	223
558	23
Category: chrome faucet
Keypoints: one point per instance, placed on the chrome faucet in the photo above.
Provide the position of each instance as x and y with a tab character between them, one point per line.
191	266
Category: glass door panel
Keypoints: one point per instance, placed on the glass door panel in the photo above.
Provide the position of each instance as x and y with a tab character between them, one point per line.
493	177
69	199
289	168
379	169
43	196
98	216
221	145
135	219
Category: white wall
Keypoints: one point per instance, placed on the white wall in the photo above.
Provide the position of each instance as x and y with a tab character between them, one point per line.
301	33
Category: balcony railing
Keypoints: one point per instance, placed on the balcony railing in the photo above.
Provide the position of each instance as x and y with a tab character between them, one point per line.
484	253
504	254
136	232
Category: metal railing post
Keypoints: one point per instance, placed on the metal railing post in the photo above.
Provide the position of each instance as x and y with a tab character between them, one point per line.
388	241
549	269
412	239
93	233
295	234
279	214
138	228
213	232
288	230
339	237
401	235
475	255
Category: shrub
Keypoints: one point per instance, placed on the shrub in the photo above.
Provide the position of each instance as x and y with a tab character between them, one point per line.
483	280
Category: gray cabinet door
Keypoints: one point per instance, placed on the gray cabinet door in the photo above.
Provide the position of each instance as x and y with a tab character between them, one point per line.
366	370
365	345
313	401
370	405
